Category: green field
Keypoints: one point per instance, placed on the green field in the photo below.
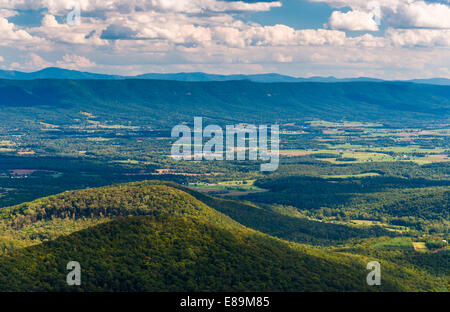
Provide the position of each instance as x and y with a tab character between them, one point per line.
398	243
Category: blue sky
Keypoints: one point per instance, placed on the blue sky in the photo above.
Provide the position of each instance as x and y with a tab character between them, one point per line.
294	13
390	39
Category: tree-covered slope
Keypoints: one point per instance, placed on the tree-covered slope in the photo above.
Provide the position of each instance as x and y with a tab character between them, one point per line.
53	216
175	253
153	236
284	226
166	103
50	217
418	203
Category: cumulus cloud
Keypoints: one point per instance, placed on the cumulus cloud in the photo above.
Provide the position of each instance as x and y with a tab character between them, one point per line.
126	6
87	33
353	20
397	13
419	37
281	58
31	61
117	31
211	35
423	15
73	61
278	35
7	13
9	32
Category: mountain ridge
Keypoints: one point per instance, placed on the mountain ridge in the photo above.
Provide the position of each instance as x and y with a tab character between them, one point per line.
146	102
60	73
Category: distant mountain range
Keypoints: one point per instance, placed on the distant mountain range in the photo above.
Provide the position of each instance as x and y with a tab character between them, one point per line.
53	73
59	73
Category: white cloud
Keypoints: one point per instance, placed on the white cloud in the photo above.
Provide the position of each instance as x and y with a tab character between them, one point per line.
419	37
278	35
353	20
30	62
87	33
398	13
72	61
9	32
281	58
136	36
423	15
33	61
7	13
49	21
127	6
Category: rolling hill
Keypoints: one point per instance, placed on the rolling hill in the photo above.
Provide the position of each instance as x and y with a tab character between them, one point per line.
154	237
47	218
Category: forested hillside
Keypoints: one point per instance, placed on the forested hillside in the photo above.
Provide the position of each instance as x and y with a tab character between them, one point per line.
50	217
152	236
285	226
418	203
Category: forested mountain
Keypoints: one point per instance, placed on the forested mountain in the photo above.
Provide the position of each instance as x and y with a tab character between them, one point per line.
283	226
146	102
49	217
154	237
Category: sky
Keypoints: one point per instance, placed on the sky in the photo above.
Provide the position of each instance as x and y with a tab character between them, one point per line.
388	39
